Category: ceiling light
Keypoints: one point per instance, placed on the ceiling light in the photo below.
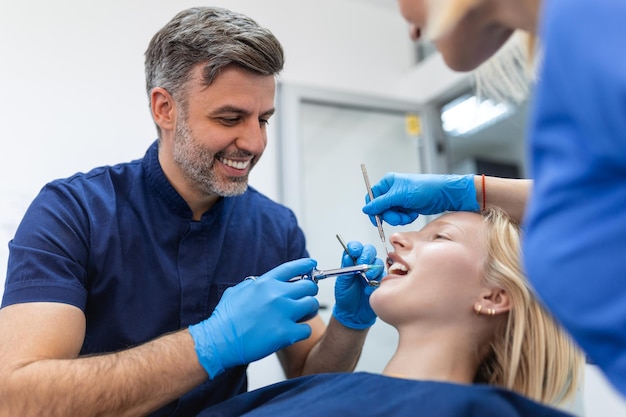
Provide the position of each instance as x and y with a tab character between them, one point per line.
468	114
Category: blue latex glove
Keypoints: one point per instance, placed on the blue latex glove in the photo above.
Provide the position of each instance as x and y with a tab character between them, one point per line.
400	198
256	318
352	294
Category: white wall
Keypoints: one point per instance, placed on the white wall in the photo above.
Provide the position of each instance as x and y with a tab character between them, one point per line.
72	79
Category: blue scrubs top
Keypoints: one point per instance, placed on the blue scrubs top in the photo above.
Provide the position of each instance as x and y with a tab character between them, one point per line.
119	243
575	245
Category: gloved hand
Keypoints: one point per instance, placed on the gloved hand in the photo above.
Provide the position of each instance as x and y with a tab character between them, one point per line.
352	294
257	317
400	198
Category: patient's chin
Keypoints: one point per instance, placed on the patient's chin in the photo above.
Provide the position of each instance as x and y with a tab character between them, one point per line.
379	302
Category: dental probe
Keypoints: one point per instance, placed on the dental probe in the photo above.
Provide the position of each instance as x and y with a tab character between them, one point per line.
371	283
318	274
379	224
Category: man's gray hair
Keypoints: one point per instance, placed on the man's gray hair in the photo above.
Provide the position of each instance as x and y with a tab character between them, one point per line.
214	37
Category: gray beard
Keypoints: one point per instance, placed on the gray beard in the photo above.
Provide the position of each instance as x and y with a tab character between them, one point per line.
198	166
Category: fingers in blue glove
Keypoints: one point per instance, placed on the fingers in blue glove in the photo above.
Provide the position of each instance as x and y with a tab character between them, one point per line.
375	275
368	254
352	292
394	216
288	270
302	309
359	254
256	318
354	251
400	198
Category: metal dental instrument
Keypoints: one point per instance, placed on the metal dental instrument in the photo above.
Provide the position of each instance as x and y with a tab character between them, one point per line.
318	274
371	283
379	224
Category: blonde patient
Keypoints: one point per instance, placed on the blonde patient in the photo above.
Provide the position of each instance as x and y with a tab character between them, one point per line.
465	313
473	340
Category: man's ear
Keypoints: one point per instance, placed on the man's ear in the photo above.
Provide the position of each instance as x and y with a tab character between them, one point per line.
163	108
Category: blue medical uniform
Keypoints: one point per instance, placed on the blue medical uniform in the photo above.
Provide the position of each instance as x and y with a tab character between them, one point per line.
575	245
120	244
363	394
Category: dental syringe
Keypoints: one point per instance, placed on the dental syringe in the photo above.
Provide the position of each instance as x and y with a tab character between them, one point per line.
318	274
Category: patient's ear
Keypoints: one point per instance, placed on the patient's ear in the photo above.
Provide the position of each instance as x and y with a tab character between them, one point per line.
495	299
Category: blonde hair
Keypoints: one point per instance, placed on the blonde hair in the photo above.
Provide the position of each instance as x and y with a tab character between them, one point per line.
534	356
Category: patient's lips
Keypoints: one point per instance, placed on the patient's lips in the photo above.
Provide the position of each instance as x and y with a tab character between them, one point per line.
395	265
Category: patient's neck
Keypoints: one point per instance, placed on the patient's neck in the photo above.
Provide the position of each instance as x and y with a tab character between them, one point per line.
435	356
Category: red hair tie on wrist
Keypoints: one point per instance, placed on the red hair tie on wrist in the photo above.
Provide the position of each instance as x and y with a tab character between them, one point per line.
484	193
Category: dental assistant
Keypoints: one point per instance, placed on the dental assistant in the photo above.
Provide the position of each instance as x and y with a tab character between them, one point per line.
575	219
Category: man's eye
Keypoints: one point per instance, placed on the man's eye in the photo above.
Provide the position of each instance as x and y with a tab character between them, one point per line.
264	122
229	120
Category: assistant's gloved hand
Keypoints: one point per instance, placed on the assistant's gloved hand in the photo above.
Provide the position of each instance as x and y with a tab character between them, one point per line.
352	294
257	317
400	198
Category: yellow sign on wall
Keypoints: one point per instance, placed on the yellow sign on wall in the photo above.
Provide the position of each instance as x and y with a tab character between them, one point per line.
413	125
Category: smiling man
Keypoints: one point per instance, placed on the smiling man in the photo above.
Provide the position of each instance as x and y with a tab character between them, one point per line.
125	289
213	138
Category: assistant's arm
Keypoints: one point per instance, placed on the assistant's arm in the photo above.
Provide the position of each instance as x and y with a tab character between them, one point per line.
41	373
510	195
400	198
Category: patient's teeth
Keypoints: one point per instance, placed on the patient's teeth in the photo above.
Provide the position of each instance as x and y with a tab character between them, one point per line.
398	268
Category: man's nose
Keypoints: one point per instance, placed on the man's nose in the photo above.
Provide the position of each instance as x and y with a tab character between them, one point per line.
253	138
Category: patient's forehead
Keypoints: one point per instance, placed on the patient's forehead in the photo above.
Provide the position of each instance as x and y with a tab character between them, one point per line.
459	218
465	227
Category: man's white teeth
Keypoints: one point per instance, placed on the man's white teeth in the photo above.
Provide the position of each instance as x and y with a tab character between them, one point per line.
398	269
235	164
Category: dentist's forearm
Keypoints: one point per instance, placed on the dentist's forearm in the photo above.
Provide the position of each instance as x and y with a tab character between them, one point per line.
338	350
128	383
